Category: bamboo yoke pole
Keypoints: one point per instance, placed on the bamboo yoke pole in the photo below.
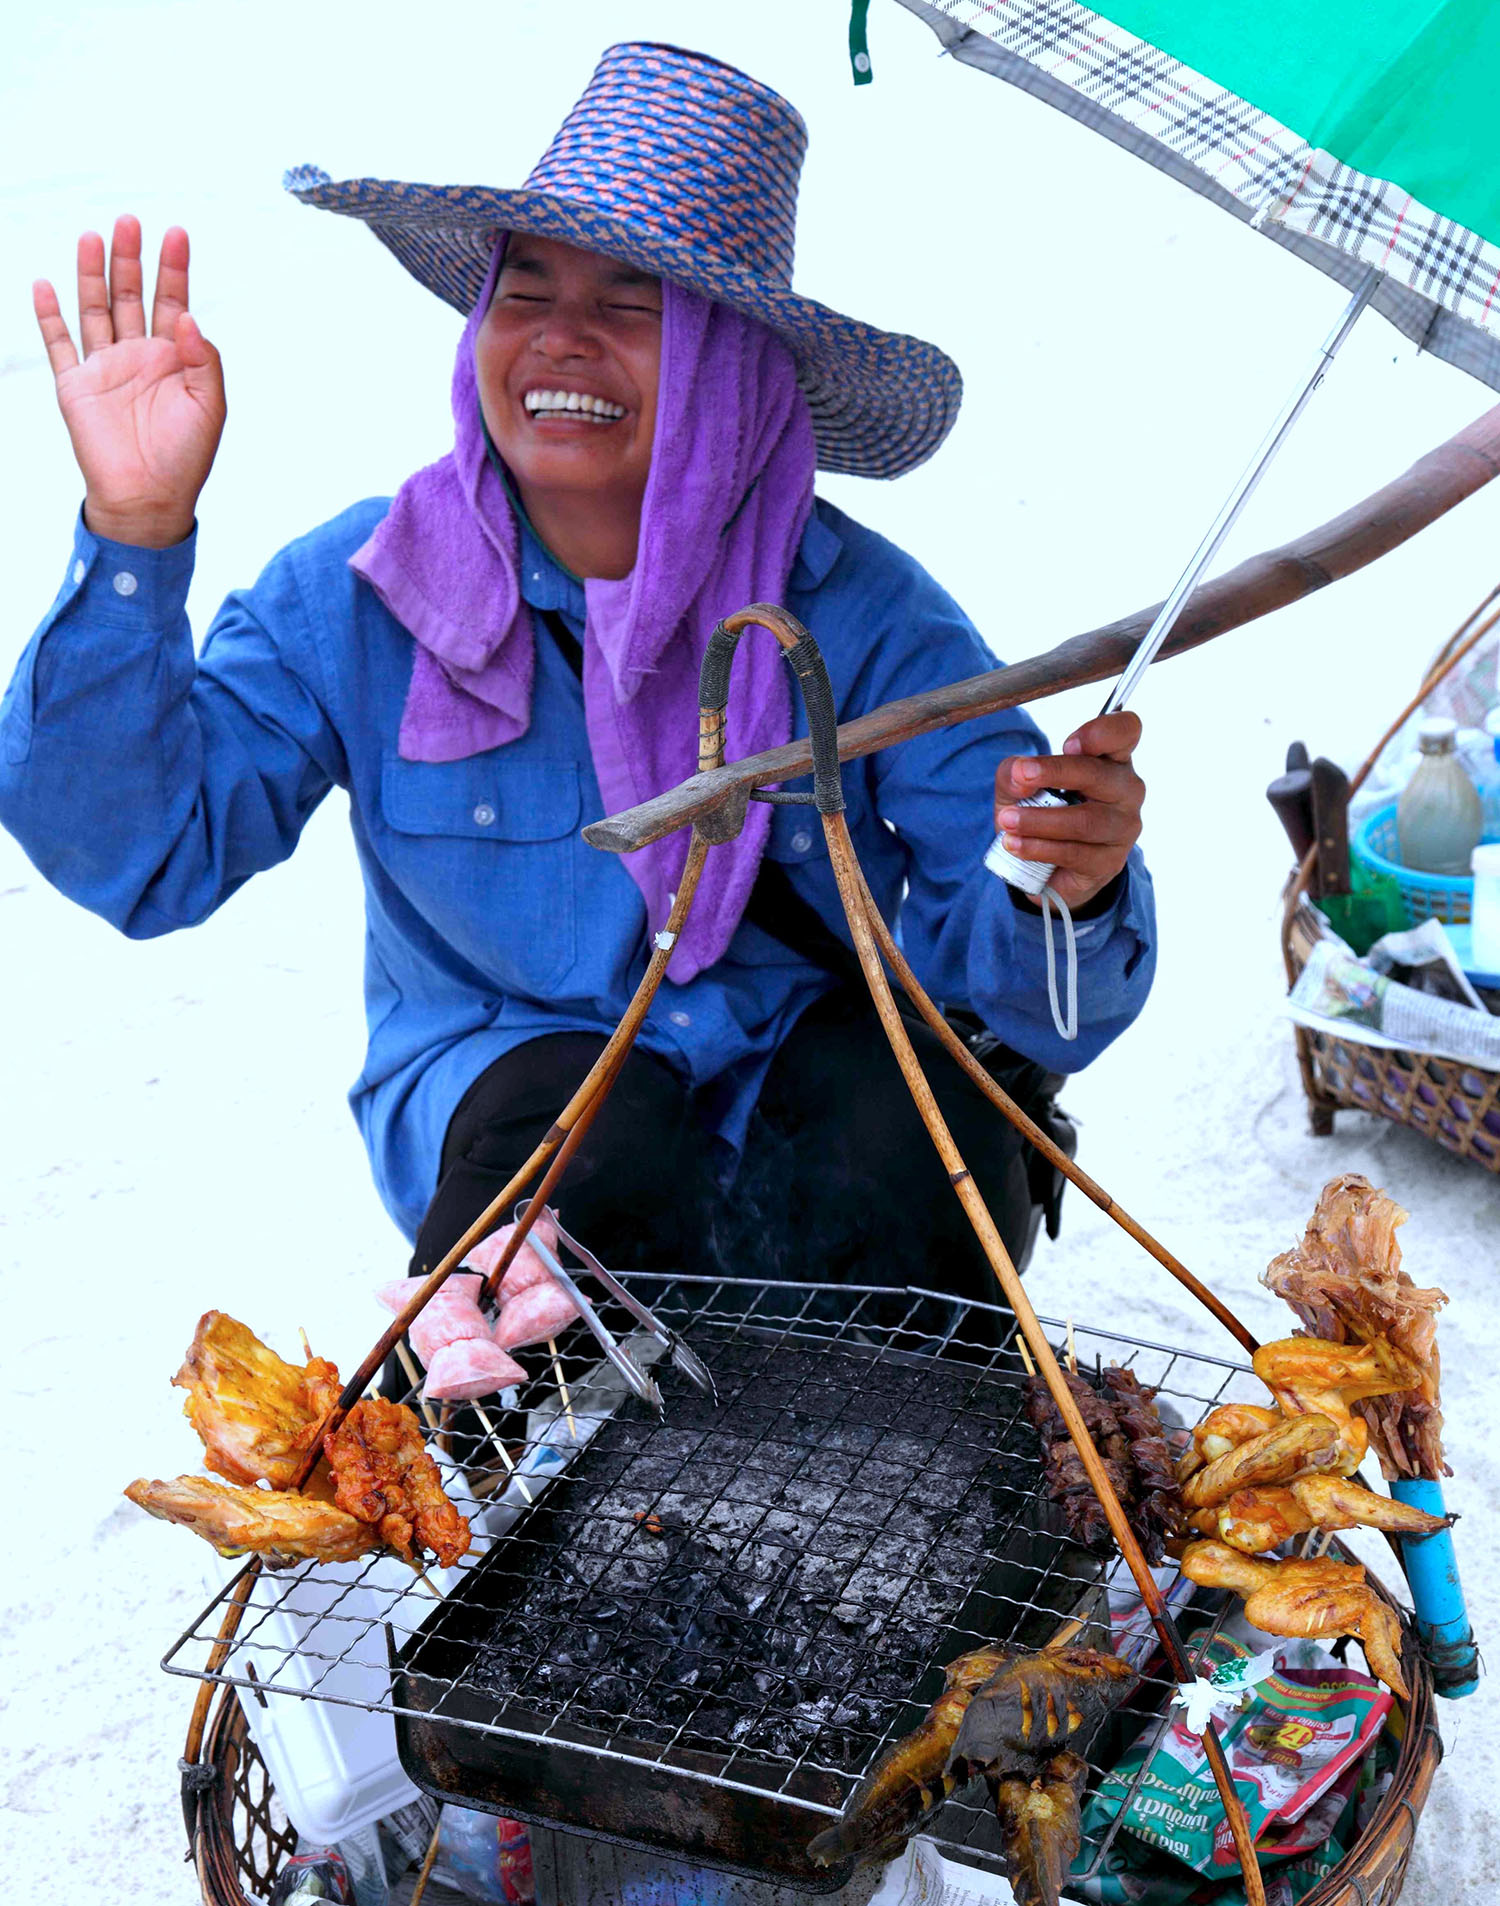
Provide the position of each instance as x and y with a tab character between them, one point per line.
846	873
802	652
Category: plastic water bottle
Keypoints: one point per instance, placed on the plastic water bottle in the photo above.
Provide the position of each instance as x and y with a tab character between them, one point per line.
1487	777
1438	818
1486	926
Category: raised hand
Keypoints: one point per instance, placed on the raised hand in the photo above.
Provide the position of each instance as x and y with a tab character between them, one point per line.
1090	843
144	412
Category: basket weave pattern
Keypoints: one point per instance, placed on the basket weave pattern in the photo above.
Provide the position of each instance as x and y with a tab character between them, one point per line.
242	1834
1455	1104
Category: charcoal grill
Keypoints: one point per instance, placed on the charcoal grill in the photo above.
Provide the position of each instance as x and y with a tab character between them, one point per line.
707	1628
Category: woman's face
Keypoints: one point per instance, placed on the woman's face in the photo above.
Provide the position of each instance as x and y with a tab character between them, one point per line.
567	358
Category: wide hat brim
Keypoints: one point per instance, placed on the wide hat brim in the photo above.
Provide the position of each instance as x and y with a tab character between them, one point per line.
881	403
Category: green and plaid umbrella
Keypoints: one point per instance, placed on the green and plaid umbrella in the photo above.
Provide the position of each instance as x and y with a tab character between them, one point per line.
1361	137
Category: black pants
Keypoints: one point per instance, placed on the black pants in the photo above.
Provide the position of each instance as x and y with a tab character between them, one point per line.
839	1181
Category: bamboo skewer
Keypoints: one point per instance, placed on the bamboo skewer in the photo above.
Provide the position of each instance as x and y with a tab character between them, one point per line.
1072	1349
504	1454
432	1846
414	1378
562	1389
844	863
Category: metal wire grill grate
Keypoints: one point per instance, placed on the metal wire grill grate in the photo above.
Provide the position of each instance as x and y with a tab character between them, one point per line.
758	1596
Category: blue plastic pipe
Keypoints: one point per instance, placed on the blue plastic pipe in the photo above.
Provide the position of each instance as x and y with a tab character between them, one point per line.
1438	1596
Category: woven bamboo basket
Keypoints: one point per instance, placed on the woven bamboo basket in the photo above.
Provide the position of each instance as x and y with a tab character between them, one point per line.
1455	1104
240	1835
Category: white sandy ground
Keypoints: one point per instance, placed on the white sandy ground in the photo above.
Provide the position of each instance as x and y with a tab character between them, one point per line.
172	1132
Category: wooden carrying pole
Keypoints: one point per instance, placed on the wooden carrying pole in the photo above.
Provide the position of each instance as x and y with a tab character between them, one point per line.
802	652
1432	486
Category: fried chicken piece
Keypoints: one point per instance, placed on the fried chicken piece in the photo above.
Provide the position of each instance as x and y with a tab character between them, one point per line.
1225	1429
1041	1827
383	1475
1309	1376
1319	1599
282	1528
910	1780
1255	1519
1303	1446
256	1415
1037	1704
1334	1502
1346	1284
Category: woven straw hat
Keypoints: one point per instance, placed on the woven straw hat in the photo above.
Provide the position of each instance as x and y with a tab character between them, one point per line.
688	169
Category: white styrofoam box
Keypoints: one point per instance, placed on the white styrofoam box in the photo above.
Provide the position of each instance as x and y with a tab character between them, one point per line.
334	1766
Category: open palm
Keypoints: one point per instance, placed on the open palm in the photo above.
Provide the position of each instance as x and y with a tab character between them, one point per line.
144	410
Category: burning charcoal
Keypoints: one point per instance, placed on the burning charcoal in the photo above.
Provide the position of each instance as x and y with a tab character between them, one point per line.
773	1576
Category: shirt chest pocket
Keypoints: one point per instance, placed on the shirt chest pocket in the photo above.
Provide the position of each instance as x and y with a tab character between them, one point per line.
486	849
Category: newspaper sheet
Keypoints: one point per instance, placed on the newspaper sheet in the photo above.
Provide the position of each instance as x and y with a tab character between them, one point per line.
1352	999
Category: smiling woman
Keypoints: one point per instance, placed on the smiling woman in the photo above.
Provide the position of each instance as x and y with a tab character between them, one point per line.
567	359
510	647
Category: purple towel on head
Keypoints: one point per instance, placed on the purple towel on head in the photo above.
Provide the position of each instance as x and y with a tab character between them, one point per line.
727	500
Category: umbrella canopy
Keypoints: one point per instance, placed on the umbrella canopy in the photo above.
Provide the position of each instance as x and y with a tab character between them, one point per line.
1354	136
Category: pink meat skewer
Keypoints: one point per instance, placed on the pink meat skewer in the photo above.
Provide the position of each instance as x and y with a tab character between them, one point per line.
548	1307
527	1268
533	1315
453	1339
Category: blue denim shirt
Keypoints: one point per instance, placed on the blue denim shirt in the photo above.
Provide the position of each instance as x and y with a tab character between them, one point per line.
147	785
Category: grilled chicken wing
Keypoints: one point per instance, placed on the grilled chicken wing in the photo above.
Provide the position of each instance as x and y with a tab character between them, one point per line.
1320	1599
256	1415
1311	1377
383	1475
282	1528
1225	1429
1334	1502
1302	1446
1041	1827
1256	1519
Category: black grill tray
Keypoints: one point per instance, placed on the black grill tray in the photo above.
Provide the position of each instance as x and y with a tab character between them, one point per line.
953	1547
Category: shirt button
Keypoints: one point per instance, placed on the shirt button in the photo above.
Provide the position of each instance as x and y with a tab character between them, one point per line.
801	841
125	584
484	815
680	1018
80	570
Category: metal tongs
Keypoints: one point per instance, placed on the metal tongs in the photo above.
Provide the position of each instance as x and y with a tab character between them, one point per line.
640	1382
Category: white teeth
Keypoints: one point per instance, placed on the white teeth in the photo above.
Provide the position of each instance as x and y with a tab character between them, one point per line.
555	403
